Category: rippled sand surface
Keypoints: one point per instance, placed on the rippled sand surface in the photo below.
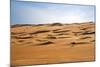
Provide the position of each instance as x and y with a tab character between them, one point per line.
52	43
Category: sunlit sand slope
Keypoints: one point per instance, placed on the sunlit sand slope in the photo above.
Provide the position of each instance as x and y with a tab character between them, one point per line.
52	43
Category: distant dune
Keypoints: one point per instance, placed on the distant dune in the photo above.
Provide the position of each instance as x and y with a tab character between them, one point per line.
52	43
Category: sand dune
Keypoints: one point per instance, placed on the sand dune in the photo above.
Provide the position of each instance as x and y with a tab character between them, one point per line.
52	43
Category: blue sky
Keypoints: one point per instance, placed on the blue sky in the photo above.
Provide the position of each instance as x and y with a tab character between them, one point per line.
41	13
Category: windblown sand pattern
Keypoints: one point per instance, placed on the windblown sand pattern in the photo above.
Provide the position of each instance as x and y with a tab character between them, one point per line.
52	43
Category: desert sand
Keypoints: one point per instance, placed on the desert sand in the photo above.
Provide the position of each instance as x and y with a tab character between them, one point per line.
52	43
